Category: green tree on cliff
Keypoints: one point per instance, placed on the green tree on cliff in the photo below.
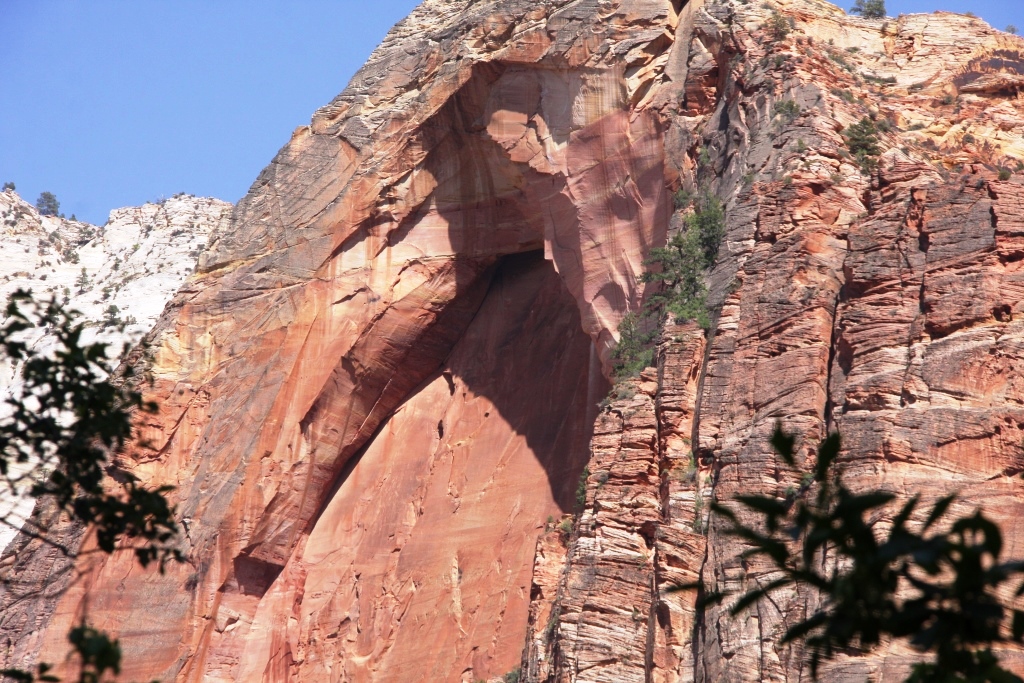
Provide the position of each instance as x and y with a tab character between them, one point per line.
63	421
869	9
862	139
935	583
82	281
47	204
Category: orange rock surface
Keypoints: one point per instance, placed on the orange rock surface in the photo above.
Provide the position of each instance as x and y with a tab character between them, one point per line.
381	388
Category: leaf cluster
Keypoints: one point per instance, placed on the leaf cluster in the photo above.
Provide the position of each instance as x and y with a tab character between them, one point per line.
62	425
97	653
937	590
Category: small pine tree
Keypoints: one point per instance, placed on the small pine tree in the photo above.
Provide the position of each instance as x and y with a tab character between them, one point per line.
778	26
869	9
48	204
1009	29
82	282
862	139
10	186
112	317
635	350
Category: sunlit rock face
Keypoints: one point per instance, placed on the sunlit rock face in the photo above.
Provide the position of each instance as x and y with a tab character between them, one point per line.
381	387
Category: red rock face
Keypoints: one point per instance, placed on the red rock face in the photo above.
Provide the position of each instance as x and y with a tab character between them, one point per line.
405	572
380	391
367	291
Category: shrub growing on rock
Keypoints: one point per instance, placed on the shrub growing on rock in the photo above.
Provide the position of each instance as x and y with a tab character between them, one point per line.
787	109
47	204
869	9
778	26
862	139
637	333
679	268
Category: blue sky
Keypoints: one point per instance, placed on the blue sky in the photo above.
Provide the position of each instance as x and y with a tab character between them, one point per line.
999	13
111	103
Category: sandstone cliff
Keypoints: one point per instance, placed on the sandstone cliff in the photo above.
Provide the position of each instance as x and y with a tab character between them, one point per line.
382	385
119	276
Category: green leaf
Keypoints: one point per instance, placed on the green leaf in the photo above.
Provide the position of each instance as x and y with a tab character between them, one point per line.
1018	625
711	599
905	512
861	503
769	506
680	587
801	629
723	511
992	541
747	600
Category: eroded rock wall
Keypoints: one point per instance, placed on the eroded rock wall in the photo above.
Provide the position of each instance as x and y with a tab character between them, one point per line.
882	305
379	392
360	280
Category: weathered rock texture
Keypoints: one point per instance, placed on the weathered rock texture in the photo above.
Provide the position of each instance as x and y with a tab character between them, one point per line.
136	261
381	387
118	276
